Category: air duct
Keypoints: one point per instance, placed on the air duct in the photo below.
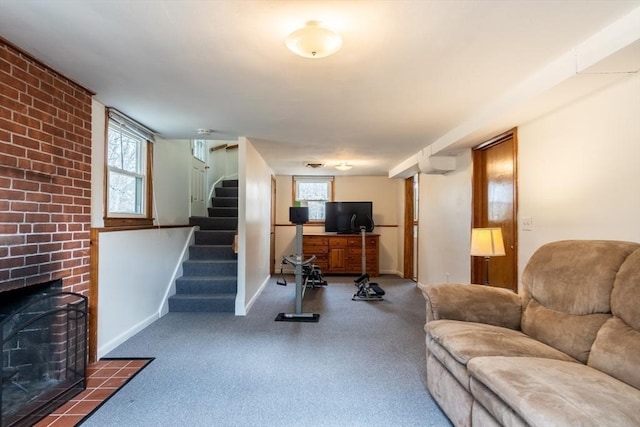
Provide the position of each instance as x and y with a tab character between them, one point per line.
435	165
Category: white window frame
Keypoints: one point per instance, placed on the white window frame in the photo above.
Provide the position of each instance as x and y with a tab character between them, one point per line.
298	201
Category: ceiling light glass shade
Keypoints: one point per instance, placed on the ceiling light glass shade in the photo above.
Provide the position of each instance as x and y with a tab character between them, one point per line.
314	41
344	166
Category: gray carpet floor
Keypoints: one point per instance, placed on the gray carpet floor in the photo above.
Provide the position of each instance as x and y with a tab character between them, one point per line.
362	364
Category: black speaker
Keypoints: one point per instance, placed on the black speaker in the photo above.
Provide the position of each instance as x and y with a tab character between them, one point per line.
298	215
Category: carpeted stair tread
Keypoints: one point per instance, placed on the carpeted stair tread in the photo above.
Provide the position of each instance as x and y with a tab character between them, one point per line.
214	237
210	285
227	267
211	252
202	303
223	211
226	192
224	202
230	183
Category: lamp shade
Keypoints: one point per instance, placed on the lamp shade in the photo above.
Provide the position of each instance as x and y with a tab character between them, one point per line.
314	41
487	242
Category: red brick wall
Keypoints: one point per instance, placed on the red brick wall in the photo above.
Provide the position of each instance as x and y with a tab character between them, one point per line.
45	175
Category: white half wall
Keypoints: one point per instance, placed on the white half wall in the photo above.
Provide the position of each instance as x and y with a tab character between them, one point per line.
135	270
254	207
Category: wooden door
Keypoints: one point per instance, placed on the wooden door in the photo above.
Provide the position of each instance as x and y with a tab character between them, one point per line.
410	264
495	205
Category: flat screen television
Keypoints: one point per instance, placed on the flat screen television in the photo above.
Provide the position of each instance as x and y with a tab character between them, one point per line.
348	217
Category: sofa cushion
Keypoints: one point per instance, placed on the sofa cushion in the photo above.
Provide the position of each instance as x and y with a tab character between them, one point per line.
570	333
625	296
566	291
454	343
546	392
616	349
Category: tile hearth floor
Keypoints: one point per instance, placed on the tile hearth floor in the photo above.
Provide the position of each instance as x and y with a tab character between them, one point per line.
104	378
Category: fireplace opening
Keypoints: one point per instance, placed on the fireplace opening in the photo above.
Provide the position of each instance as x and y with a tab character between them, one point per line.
44	351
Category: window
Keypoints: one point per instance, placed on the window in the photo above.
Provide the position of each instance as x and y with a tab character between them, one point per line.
199	149
313	192
128	172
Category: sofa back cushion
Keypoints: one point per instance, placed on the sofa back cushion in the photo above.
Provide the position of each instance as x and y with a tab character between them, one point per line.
616	350
566	292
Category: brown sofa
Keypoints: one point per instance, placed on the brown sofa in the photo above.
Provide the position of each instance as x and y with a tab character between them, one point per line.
565	351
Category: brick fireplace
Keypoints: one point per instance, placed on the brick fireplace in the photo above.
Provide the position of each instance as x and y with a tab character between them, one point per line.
45	175
45	178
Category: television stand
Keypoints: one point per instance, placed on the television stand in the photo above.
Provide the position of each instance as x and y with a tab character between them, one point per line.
342	253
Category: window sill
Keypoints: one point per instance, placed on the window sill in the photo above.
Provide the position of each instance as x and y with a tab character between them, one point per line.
128	222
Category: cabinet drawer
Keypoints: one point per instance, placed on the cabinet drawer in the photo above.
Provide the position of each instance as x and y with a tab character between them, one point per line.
315	240
337	242
357	260
357	241
358	251
313	249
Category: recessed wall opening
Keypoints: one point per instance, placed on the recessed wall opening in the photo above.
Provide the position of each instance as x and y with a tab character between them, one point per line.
44	351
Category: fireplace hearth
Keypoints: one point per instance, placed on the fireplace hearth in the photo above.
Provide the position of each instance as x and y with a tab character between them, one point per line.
44	351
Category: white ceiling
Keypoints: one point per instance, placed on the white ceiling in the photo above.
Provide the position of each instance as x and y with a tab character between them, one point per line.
409	72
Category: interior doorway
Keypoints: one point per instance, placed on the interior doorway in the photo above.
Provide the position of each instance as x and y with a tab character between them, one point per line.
272	229
410	265
495	204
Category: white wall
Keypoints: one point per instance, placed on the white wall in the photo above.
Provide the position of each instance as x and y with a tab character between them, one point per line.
223	164
171	181
387	214
136	268
444	225
579	170
578	178
254	225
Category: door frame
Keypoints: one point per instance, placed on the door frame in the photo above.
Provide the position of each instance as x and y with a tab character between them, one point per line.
410	251
478	206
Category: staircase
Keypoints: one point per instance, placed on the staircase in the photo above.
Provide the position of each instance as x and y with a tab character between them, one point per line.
210	275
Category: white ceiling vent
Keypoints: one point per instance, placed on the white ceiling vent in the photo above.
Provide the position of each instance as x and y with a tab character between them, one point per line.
314	165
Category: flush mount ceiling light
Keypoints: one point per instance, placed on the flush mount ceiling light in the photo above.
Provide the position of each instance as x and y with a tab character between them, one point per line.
314	165
343	166
314	41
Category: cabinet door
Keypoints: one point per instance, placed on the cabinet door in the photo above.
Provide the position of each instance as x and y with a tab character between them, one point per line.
337	259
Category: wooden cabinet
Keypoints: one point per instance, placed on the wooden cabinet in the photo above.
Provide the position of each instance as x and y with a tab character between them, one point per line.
342	254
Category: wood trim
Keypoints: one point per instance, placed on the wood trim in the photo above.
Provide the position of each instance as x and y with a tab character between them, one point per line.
478	203
94	248
408	228
143	222
217	148
133	228
321	224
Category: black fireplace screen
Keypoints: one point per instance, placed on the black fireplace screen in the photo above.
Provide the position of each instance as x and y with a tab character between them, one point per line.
44	355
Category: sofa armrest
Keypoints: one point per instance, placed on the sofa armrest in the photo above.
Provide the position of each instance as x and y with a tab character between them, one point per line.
472	303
